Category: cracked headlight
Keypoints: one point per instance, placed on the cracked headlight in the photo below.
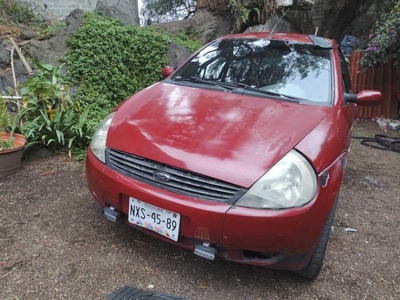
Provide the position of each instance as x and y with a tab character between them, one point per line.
292	182
98	143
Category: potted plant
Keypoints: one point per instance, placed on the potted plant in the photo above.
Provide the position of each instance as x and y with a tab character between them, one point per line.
11	144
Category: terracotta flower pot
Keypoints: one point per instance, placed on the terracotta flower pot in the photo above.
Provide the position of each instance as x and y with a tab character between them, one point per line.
10	159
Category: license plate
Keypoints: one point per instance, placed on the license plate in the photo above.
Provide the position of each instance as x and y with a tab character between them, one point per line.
154	218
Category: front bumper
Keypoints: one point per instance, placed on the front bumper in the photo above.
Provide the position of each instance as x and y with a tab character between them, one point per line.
283	239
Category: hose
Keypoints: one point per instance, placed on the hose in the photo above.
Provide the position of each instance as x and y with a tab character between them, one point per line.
381	142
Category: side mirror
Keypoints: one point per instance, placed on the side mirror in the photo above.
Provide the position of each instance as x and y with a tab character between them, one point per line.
364	98
166	71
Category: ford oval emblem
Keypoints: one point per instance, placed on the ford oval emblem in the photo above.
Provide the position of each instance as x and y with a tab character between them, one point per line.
161	176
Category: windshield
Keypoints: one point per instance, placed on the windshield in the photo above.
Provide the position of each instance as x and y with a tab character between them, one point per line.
273	67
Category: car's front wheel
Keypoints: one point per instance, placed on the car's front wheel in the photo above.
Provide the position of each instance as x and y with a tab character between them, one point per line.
313	268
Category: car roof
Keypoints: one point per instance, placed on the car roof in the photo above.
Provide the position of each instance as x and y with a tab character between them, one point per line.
279	36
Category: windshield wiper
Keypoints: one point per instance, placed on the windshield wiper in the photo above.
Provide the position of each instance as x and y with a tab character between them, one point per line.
235	86
209	82
265	92
195	79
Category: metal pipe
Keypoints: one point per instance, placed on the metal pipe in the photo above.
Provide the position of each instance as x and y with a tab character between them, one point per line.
11	97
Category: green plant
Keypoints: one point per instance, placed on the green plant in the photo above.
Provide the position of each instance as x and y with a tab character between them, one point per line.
4	116
7	123
47	87
17	12
65	129
49	115
110	62
6	144
243	12
384	38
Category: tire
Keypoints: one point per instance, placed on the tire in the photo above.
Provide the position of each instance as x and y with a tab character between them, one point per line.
132	293
313	268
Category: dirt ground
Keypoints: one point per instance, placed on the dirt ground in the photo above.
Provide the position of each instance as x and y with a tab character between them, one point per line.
54	243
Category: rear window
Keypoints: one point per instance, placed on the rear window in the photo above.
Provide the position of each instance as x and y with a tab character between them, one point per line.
292	69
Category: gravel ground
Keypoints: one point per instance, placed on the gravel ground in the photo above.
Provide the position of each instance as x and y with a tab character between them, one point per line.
56	245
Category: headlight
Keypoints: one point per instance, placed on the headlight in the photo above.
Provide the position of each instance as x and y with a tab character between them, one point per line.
292	182
98	143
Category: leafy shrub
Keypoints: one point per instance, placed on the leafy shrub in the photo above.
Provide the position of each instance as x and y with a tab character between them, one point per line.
384	38
49	115
4	124
8	123
4	116
16	12
111	62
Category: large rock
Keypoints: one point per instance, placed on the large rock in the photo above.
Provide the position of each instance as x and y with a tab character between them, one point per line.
206	25
223	5
339	14
4	85
7	82
361	27
125	10
296	21
303	4
19	67
177	54
51	50
74	20
5	57
6	78
282	26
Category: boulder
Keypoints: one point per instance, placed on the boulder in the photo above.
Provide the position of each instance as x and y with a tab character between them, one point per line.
296	4
28	34
223	5
20	67
206	25
3	87
177	54
303	4
6	82
282	26
5	58
125	10
74	20
51	50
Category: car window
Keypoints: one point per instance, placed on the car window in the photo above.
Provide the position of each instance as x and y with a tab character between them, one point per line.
345	73
297	70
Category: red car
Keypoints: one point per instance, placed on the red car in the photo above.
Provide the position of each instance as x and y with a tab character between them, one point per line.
239	153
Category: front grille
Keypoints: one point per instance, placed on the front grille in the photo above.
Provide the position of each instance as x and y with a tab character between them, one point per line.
181	181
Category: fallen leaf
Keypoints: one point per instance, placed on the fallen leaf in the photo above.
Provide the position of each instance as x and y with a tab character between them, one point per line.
50	172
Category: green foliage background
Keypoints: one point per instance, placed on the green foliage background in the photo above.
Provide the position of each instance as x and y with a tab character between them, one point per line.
15	12
385	35
111	62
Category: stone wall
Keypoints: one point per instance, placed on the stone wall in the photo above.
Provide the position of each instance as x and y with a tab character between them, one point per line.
62	8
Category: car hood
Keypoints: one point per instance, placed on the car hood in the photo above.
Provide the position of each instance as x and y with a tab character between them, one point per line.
227	136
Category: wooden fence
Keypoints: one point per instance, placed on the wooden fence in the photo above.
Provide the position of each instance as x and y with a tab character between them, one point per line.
384	78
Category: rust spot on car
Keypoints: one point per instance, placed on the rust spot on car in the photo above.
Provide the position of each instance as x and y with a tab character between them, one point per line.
324	178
